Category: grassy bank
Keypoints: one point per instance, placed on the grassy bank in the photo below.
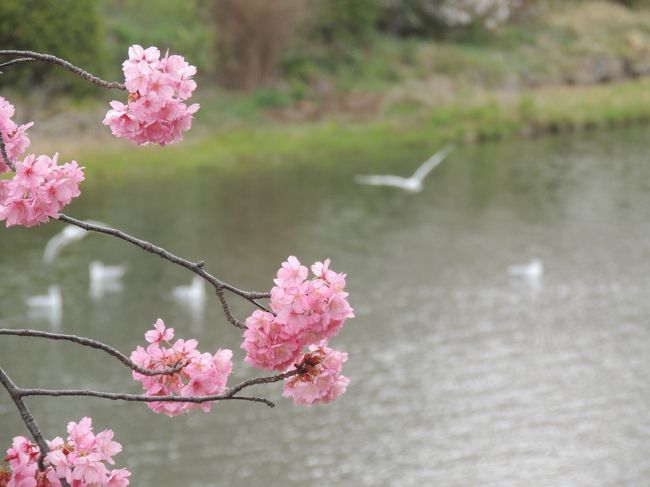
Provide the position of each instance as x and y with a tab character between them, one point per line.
537	112
572	66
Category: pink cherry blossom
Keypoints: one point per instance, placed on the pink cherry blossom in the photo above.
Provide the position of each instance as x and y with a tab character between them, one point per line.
291	273
321	382
81	433
118	478
39	190
24	475
266	345
13	136
305	312
203	374
155	112
79	460
89	470
159	333
105	447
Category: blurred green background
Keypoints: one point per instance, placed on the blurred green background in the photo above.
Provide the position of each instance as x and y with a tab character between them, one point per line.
464	70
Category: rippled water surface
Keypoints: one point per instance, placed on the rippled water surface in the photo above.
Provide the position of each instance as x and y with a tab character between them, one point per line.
460	375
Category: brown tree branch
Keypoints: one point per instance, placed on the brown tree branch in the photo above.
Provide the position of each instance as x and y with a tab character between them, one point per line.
87	342
114	396
226	309
263	380
16	61
16	396
196	267
49	58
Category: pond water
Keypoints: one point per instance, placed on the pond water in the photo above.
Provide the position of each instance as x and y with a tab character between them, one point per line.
461	375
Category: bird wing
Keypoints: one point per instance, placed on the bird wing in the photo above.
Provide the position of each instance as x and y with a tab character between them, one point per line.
52	248
386	180
65	237
428	165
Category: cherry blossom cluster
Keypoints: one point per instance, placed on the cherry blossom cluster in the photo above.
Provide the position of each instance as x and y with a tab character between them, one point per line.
40	187
14	136
39	190
155	112
321	382
203	374
80	460
305	312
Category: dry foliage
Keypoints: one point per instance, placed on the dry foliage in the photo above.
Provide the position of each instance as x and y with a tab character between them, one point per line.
252	35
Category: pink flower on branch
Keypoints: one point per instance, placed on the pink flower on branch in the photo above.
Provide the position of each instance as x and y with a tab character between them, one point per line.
159	333
203	374
266	344
155	112
13	136
39	190
306	312
321	382
80	460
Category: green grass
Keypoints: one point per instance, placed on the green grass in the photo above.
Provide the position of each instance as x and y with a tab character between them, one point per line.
267	145
423	93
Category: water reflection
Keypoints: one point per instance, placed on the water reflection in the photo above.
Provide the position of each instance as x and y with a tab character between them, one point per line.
461	375
46	307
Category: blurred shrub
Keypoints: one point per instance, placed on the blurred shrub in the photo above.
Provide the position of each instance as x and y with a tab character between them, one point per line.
184	27
252	36
71	29
634	3
341	21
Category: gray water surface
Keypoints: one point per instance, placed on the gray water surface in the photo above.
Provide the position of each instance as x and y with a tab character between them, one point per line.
461	376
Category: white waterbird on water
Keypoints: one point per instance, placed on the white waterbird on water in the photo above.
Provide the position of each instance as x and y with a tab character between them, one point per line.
65	237
47	306
192	298
100	272
105	278
194	293
412	184
50	300
531	271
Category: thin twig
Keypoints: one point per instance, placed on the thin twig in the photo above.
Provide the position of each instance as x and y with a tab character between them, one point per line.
115	396
262	380
226	310
87	342
16	61
49	58
3	152
196	267
16	396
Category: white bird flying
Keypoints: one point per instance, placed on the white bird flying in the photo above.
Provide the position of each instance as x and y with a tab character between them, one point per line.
414	183
65	237
530	271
